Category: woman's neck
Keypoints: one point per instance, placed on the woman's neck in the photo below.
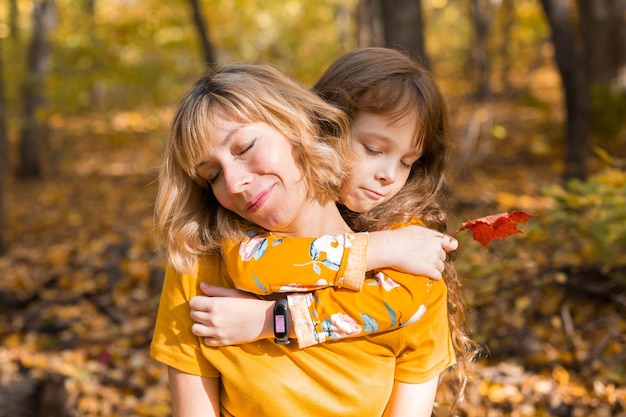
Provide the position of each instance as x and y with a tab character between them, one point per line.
316	220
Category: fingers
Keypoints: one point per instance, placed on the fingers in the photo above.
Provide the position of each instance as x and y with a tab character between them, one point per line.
204	327
201	303
210	337
215	291
198	315
209	341
199	329
440	267
449	243
436	275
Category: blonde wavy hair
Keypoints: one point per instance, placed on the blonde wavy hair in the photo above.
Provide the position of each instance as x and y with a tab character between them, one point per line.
189	220
387	82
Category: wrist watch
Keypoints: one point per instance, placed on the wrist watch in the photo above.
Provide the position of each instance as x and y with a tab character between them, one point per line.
281	322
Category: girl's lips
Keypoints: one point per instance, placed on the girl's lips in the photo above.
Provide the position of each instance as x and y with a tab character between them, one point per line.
257	202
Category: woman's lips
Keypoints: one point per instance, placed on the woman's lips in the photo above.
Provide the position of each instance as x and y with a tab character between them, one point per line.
257	202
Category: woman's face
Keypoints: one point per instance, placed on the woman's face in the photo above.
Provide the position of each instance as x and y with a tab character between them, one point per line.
383	153
253	173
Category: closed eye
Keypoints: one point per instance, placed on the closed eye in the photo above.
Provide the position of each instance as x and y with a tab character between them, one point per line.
372	151
247	148
214	178
412	162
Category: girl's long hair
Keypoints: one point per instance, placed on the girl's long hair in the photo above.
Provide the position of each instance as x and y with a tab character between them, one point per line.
387	82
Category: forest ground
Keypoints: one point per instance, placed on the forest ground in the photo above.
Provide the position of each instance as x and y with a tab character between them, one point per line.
82	277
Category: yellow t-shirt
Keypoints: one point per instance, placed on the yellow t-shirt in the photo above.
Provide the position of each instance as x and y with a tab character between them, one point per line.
352	377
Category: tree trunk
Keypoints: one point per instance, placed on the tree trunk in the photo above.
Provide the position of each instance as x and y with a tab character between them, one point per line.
4	247
30	396
96	87
13	19
4	141
90	7
4	158
480	48
570	58
604	32
508	13
403	24
369	24
201	28
44	19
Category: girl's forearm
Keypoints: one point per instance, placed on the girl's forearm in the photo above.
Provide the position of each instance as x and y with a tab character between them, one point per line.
411	249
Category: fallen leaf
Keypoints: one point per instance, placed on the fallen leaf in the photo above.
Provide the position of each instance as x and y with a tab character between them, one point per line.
495	226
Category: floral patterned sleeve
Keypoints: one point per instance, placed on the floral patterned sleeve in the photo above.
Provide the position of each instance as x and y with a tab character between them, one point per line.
321	276
264	263
388	300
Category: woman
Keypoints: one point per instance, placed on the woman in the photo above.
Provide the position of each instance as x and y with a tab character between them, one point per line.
249	144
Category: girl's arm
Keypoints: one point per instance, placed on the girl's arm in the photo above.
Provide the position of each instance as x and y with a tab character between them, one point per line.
225	316
193	395
310	263
388	300
412	249
265	263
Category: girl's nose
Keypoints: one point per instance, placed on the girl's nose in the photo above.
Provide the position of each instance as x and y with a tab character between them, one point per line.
386	174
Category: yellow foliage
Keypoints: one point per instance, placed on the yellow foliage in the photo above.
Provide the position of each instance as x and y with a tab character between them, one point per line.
560	375
525	202
138	270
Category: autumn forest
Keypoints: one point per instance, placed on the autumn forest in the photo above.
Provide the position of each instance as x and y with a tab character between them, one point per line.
536	91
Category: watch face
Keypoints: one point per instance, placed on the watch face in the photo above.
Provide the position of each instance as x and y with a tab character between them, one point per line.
279	324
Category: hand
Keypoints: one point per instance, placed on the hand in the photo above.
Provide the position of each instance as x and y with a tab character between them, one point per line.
227	316
412	249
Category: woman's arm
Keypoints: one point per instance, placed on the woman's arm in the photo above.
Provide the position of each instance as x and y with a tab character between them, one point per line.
193	395
412	400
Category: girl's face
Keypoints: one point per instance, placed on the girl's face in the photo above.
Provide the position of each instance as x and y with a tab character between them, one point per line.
253	173
383	154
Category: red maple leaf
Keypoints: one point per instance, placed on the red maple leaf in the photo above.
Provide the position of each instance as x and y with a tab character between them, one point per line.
495	226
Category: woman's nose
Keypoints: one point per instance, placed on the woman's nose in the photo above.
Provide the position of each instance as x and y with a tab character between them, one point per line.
236	179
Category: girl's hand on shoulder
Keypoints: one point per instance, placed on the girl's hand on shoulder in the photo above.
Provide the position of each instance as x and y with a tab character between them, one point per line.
412	249
225	316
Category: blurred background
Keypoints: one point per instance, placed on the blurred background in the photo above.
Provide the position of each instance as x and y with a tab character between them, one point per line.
537	97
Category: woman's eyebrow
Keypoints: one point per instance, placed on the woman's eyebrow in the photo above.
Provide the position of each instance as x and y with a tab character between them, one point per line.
226	141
